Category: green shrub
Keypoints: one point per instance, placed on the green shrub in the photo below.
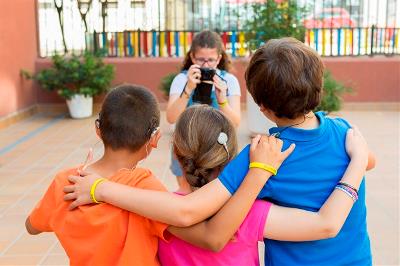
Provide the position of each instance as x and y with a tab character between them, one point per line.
332	92
70	75
165	84
271	20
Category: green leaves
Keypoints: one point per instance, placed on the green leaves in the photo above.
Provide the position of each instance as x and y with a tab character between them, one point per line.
273	20
331	95
70	75
166	82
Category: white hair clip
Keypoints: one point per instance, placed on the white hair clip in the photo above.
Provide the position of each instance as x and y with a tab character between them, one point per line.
223	139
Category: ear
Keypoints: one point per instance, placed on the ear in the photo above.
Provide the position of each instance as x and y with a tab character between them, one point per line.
155	138
98	132
219	59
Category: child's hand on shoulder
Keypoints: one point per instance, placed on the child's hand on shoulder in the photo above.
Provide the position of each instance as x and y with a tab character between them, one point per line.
356	146
268	150
79	191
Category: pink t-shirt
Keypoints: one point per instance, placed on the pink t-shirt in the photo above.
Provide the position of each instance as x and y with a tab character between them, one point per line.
243	250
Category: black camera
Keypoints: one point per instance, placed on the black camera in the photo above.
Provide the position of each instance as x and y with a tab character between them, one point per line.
207	74
202	92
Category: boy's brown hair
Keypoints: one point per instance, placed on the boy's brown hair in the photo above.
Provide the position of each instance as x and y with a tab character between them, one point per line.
285	76
128	117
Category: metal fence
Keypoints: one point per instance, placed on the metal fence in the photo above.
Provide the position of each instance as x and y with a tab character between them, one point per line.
328	42
163	28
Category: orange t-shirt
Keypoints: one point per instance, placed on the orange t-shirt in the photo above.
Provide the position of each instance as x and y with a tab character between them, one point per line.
101	234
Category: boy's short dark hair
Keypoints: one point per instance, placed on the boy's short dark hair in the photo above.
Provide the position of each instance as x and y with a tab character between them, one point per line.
286	76
129	115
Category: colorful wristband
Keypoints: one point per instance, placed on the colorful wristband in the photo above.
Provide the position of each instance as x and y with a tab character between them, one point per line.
223	103
93	189
350	192
264	166
349	186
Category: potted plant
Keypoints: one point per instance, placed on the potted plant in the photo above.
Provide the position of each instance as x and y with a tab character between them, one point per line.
77	79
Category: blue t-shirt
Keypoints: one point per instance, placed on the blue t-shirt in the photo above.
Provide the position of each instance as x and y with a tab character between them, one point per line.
305	180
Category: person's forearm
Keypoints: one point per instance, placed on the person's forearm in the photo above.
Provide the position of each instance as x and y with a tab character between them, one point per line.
175	109
231	114
337	207
164	206
215	233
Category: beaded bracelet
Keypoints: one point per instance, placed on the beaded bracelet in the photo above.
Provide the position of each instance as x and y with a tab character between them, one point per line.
93	189
349	186
264	166
350	189
350	192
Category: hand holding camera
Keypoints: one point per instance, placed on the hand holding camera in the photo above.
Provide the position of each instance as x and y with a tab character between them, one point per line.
194	76
221	89
201	80
202	93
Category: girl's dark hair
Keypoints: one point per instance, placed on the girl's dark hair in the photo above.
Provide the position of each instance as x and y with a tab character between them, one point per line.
128	116
208	39
195	143
285	76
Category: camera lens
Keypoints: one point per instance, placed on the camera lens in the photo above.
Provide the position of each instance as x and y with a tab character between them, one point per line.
207	74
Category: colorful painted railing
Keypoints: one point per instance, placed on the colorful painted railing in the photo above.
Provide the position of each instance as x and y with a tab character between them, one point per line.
354	41
328	42
158	43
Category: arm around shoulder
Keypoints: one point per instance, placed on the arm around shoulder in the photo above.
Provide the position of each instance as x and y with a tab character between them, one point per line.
165	206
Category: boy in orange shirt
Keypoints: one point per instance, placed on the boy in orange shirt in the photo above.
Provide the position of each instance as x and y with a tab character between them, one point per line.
102	234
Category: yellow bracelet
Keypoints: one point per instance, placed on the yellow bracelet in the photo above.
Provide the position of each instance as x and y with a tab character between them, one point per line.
264	166
93	189
223	103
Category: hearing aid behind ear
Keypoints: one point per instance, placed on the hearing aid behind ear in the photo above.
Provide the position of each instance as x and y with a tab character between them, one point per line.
154	131
222	140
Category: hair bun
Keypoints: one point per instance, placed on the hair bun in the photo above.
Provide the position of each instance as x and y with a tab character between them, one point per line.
196	177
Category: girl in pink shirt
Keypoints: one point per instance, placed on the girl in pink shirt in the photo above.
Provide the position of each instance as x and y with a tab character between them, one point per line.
204	142
241	250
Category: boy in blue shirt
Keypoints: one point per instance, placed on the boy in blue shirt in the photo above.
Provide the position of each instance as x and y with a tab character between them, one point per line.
285	78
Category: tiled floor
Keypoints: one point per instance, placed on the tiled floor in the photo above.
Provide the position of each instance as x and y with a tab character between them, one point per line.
32	151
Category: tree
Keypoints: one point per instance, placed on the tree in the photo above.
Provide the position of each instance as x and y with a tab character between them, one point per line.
274	19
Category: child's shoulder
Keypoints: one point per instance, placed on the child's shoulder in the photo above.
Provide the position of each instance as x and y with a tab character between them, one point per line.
181	75
61	178
335	121
63	174
229	76
140	178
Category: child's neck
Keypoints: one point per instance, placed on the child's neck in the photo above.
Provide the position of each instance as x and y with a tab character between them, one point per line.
113	161
308	121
